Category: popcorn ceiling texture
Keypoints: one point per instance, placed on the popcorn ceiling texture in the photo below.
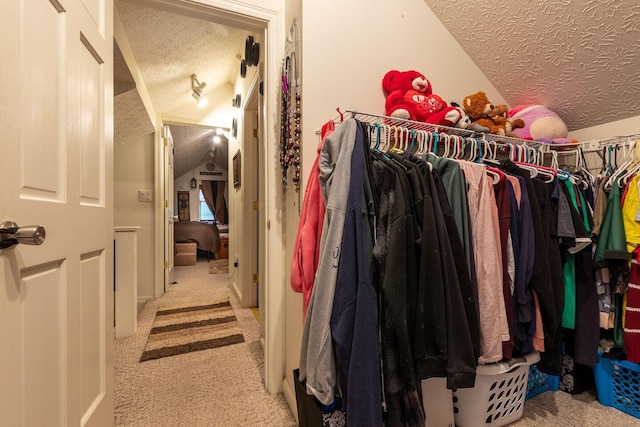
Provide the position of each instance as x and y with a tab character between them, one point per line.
169	47
580	58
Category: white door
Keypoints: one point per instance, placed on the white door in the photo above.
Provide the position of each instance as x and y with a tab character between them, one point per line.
56	144
170	214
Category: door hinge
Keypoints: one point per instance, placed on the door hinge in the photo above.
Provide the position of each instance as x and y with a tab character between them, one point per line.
255	133
256	277
166	265
256	205
166	204
166	142
268	224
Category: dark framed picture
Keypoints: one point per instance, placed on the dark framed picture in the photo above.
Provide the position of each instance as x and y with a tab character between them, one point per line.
183	206
236	169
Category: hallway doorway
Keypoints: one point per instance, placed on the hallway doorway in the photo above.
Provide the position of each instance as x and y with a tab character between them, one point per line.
267	22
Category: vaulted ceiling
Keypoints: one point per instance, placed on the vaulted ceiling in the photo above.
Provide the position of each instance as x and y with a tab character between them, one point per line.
580	58
168	48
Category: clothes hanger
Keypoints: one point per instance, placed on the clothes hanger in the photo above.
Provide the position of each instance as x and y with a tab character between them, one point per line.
377	131
618	171
396	140
436	140
585	168
445	143
633	170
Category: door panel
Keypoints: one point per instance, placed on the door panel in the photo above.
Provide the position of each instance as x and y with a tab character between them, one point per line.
42	317
43	102
91	124
56	300
92	355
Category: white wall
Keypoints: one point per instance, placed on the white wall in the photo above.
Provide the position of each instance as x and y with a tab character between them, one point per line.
627	126
240	243
293	301
134	171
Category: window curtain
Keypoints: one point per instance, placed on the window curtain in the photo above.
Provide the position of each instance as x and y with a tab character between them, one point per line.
221	205
207	192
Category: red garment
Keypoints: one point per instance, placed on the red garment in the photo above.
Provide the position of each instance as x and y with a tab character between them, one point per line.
632	311
306	248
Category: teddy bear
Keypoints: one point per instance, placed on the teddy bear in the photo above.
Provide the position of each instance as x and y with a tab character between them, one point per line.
395	80
409	96
540	124
489	118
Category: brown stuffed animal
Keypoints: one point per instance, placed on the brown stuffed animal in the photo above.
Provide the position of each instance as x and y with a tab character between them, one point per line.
487	117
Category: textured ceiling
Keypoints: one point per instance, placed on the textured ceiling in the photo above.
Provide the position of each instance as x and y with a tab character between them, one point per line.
200	146
580	58
168	48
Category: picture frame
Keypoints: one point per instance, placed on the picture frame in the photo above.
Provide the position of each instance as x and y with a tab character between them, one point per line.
236	169
183	206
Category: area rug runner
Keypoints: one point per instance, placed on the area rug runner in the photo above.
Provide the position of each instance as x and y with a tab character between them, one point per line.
185	329
217	266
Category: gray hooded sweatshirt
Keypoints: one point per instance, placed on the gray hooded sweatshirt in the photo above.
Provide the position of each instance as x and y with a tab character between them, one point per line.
317	361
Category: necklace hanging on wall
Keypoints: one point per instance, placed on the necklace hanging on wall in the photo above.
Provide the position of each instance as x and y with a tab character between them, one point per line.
290	116
284	123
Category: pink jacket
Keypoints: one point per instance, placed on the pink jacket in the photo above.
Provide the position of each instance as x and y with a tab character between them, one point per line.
306	249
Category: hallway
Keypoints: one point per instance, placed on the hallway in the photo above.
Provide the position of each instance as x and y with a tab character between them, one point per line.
217	387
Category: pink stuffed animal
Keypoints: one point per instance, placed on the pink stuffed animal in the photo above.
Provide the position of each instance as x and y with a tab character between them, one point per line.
540	123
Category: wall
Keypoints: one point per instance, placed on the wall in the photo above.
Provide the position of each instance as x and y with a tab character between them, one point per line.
347	47
628	126
133	171
240	243
183	183
293	301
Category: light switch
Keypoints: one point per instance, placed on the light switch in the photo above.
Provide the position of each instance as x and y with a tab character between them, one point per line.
145	196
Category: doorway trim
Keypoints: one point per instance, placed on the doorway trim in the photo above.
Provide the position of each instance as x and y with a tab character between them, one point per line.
271	22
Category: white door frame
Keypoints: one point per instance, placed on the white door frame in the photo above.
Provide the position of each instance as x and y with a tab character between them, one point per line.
253	18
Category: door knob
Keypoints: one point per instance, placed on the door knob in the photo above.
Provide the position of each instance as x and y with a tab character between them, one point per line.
11	234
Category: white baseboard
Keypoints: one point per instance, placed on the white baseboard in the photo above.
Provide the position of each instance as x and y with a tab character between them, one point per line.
290	395
236	291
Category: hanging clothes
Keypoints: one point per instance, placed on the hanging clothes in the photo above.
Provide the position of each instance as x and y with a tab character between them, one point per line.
394	256
354	317
493	317
306	247
317	362
544	263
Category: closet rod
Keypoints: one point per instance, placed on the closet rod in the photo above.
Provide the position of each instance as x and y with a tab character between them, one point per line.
429	127
587	146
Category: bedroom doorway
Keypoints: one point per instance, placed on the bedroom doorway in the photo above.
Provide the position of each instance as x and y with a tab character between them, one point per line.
267	23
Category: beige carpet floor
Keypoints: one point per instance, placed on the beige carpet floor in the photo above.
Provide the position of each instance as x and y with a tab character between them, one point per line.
225	386
209	388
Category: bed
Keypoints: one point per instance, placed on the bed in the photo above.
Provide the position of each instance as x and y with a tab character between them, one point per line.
206	236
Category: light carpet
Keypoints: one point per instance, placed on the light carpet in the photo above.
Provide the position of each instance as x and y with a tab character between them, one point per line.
219	266
218	387
180	330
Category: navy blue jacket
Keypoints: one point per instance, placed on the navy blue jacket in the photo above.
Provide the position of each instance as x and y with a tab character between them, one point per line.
354	319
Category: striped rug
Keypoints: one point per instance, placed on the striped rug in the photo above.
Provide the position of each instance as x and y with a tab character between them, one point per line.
185	329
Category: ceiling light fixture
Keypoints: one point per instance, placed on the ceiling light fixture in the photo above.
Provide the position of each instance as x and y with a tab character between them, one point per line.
197	88
216	139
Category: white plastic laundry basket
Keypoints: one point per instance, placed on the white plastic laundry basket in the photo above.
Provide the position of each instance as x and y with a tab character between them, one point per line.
498	396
